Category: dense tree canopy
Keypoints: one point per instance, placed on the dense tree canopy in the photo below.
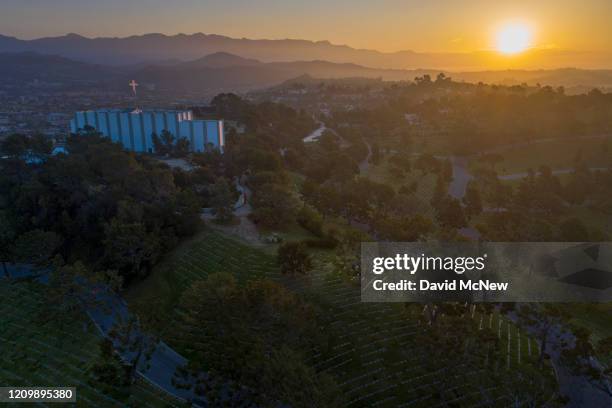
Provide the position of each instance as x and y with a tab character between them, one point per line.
102	205
252	334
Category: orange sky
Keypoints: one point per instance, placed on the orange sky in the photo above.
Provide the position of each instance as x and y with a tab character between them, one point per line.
386	25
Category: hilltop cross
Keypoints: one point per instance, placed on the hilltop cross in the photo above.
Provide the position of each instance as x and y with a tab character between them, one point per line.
133	85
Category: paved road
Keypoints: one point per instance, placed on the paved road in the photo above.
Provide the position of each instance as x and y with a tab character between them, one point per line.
365	163
579	391
243	205
461	177
518	176
316	134
244	229
457	189
501	148
164	361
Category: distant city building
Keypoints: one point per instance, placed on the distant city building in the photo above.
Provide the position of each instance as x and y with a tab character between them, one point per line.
135	129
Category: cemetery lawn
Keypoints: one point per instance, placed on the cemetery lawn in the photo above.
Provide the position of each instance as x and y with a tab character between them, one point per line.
381	173
596	318
371	351
556	154
38	352
593	316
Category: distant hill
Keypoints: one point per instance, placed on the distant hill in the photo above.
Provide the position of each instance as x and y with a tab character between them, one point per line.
151	48
567	77
28	66
224	72
222	60
213	73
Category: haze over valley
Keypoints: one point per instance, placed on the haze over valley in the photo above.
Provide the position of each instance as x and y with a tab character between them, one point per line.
213	63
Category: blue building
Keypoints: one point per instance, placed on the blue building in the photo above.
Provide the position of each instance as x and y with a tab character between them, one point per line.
135	129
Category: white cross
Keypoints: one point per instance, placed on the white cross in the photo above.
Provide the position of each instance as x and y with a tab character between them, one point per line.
133	84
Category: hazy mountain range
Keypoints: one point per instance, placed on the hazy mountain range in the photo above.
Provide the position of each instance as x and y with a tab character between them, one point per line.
212	73
223	72
156	48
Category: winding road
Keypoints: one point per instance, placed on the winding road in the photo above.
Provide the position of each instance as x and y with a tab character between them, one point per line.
316	134
461	177
159	370
556	172
579	391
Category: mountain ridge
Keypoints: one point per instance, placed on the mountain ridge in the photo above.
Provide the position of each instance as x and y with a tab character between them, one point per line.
223	71
152	47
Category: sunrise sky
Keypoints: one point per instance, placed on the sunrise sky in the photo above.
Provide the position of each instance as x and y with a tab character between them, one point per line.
386	25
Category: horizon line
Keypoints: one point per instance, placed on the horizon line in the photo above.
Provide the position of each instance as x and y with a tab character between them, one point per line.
178	34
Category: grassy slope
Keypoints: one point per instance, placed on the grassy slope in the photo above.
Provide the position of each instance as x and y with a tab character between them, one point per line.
371	352
381	174
594	317
557	154
38	353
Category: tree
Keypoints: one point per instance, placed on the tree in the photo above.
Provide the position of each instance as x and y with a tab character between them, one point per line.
251	336
181	147
452	344
450	214
492	159
133	345
427	163
442	79
545	320
472	201
583	359
222	199
36	247
66	204
346	260
274	205
527	385
15	146
164	143
73	290
7	237
129	248
446	170
293	258
424	80
108	369
376	155
573	230
311	220
402	161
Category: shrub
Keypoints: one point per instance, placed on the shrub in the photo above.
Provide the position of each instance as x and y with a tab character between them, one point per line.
311	220
293	258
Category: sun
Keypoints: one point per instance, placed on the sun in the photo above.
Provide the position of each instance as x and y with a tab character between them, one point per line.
513	38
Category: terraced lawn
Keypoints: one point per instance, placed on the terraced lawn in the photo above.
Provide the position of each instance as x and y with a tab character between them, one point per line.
35	352
371	350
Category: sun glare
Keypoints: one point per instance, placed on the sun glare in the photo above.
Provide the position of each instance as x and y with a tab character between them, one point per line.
513	38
